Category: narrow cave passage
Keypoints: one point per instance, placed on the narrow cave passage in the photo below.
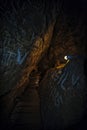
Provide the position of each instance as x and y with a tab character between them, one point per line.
26	114
43	67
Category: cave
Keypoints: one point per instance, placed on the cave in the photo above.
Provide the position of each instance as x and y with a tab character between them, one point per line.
43	65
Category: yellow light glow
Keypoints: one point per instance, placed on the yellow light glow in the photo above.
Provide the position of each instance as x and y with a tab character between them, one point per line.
60	66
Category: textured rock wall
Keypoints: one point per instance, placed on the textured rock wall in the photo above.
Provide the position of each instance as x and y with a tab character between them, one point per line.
25	36
63	96
26	31
69	34
30	39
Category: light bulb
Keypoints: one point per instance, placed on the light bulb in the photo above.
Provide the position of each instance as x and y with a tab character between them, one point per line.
66	57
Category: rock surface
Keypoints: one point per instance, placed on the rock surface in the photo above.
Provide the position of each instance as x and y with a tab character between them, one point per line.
36	36
63	96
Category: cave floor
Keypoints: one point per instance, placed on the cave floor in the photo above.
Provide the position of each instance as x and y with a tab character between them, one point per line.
26	114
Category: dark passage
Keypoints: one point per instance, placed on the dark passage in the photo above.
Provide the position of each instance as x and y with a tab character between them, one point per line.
26	113
43	64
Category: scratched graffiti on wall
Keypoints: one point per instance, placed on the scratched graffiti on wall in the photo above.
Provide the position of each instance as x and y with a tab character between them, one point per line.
9	57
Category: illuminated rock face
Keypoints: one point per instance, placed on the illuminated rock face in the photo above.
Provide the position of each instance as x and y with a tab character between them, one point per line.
21	79
26	32
33	41
63	96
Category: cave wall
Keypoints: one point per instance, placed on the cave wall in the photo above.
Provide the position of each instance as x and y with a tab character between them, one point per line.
35	37
26	35
63	97
69	37
26	31
24	24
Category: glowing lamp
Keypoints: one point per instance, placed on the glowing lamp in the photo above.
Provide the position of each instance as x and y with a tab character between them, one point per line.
66	57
